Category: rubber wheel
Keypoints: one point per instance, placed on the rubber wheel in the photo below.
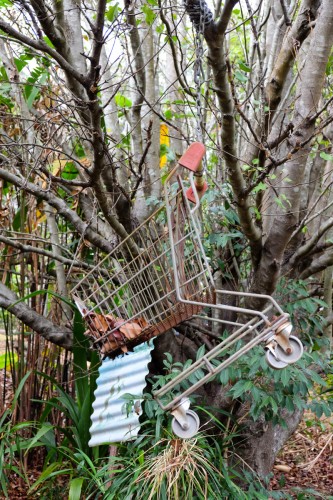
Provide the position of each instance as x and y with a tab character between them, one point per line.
193	426
297	348
271	360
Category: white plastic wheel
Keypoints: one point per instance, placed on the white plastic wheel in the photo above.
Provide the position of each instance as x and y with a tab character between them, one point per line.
193	423
297	351
273	362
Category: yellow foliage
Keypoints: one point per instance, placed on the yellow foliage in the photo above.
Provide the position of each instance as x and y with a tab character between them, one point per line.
164	140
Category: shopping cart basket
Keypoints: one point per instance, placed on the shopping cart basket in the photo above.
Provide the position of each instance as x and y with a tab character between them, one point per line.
159	277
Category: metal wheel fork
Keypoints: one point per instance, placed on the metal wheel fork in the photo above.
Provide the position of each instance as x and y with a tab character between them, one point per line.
185	423
283	349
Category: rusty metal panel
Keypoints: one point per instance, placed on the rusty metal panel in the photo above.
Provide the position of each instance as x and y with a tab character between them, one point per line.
112	419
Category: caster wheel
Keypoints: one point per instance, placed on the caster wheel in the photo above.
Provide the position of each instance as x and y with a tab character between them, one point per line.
273	362
297	348
193	425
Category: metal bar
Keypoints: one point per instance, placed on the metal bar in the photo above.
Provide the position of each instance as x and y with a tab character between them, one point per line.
215	352
212	354
208	364
232	323
217	370
250	294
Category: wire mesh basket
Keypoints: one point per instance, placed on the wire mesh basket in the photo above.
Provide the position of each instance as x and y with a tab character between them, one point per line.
153	280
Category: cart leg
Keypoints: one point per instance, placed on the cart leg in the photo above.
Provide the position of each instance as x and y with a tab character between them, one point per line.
185	423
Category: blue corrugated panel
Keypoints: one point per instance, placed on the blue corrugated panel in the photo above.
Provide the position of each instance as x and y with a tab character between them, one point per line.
112	419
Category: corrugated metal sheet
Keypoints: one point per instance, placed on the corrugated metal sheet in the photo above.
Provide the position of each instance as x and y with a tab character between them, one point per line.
112	419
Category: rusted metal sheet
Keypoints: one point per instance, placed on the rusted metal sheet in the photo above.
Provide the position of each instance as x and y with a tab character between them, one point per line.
114	417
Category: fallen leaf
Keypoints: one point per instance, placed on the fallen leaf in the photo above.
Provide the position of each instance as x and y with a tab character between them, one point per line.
141	322
131	330
282	468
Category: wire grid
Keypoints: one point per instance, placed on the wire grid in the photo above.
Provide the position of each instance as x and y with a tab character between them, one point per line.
140	291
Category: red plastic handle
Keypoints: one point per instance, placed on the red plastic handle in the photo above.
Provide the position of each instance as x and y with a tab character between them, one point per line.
192	158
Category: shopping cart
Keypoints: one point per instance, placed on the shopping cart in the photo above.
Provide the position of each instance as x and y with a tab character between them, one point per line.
159	277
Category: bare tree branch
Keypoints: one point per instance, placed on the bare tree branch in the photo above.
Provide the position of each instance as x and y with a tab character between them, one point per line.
223	22
41	251
291	44
42	46
318	264
60	336
311	243
61	207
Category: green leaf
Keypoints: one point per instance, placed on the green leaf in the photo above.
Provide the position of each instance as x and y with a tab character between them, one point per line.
160	28
48	42
46	428
149	14
35	90
19	389
244	67
112	12
289	403
75	488
201	352
221	240
298	402
240	387
69	171
20	63
285	377
50	471
322	303
168	114
240	76
316	378
17	218
122	101
259	187
273	405
326	156
224	376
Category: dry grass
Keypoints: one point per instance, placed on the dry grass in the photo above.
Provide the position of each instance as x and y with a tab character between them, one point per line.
183	469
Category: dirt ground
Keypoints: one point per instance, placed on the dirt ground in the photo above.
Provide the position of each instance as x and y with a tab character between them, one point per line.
306	461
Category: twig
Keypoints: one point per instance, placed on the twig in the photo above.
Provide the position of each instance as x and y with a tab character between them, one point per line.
308	466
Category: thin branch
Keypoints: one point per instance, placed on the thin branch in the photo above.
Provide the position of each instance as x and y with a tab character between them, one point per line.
61	207
98	42
14	243
42	46
289	49
310	244
306	219
314	117
223	22
26	7
61	336
140	166
182	82
285	13
318	265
